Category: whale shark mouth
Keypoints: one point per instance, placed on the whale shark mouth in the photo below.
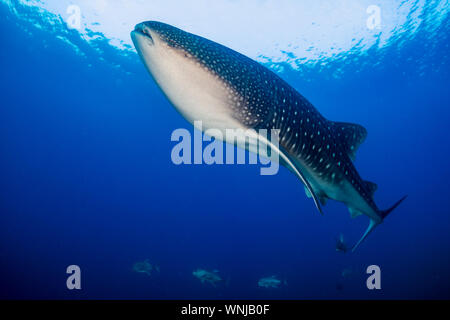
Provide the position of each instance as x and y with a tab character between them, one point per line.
142	30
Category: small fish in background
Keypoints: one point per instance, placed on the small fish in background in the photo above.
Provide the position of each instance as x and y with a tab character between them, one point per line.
145	267
346	272
271	282
341	246
207	276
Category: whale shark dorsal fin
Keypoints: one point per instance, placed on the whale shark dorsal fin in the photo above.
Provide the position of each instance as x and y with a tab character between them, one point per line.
351	136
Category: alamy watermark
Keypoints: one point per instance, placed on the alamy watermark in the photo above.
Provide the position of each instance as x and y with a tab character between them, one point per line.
262	144
374	280
374	20
74	19
74	280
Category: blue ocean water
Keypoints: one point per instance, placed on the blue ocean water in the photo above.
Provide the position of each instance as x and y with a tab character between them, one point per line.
87	179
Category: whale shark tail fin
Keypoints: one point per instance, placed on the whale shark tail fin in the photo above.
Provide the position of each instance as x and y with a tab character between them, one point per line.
384	213
373	224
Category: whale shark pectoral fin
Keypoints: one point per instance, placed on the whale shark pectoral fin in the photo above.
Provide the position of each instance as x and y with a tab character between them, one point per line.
287	162
322	198
372	225
308	194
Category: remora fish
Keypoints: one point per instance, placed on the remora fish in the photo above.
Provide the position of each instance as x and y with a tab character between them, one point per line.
227	90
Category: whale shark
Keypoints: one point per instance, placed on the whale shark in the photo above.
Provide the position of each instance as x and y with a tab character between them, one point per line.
224	89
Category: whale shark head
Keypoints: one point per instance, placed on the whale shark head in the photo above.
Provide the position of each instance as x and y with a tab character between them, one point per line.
177	60
157	41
